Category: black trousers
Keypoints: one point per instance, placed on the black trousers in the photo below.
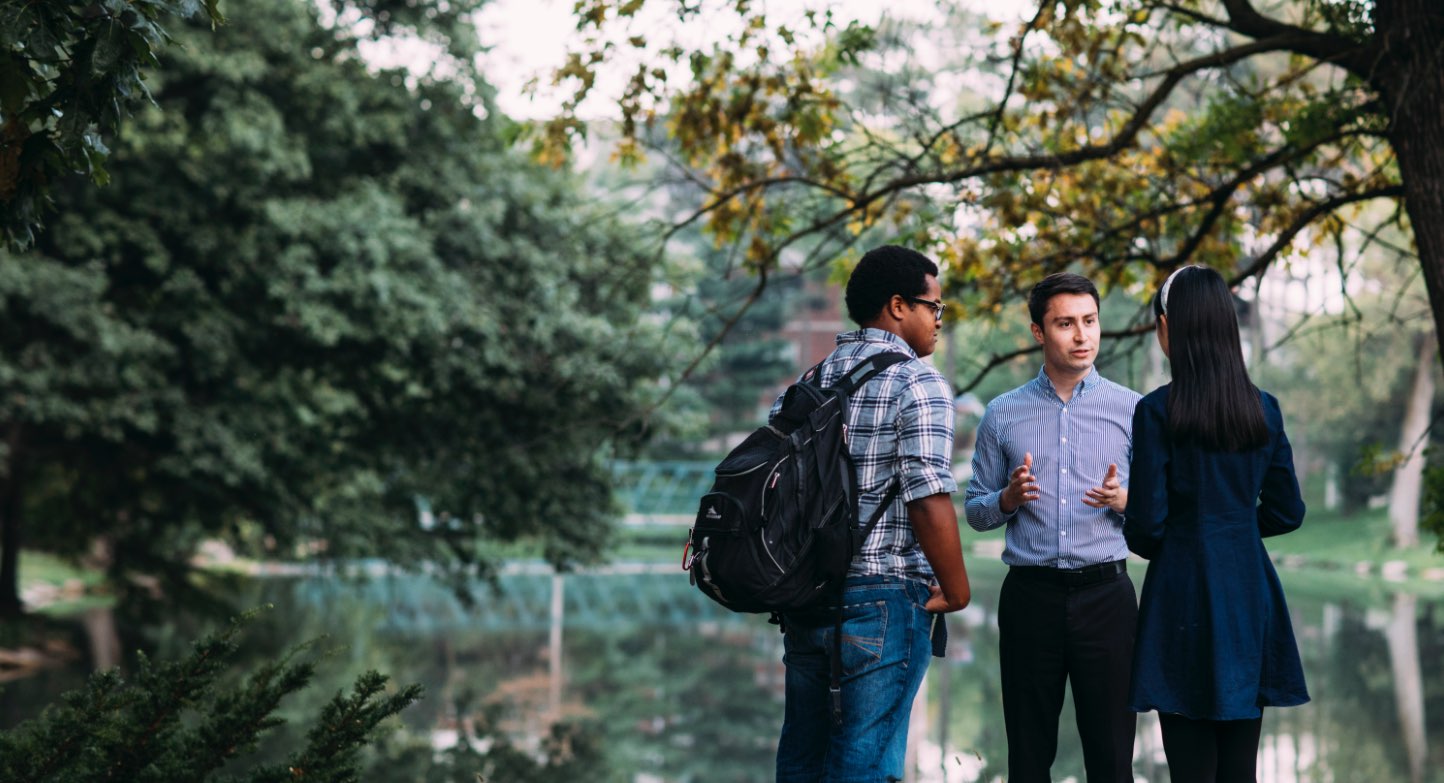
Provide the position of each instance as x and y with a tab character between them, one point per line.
1056	627
1210	751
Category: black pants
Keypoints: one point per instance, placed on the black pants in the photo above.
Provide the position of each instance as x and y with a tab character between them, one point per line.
1210	751
1055	629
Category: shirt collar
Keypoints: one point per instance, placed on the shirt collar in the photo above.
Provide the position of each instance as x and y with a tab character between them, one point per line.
1089	382
870	335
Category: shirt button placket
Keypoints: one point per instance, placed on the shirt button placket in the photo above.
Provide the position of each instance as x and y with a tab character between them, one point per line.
1063	551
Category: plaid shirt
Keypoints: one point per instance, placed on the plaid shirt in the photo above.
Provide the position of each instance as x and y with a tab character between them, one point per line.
899	425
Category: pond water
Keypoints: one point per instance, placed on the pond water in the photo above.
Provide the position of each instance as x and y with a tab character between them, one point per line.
673	688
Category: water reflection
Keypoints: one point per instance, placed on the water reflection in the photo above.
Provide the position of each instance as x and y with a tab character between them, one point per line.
670	687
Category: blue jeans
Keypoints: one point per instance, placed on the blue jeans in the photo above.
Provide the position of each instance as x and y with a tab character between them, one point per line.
885	652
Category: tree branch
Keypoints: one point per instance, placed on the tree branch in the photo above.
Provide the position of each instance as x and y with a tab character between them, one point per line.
1304	220
727	326
1196	16
1357	57
998	359
1017	58
1124	138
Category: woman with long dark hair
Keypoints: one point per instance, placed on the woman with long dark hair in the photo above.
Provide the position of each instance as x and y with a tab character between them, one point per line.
1212	474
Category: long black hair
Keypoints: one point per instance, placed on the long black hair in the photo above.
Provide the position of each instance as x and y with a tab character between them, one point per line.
1211	401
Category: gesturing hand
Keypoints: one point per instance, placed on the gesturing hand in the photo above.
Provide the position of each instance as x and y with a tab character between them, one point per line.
1110	495
1022	486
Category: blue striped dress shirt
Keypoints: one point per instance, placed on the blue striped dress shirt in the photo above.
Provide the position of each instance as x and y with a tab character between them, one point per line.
1072	445
899	426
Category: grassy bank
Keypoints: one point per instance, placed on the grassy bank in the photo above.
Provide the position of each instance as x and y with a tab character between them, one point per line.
54	586
1332	549
1331	539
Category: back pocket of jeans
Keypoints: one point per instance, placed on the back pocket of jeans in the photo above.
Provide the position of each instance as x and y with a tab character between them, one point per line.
864	632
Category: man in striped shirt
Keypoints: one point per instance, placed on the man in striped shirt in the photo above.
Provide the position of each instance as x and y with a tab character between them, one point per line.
1051	464
910	569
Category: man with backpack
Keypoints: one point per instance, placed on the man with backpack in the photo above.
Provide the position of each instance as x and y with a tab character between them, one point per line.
909	571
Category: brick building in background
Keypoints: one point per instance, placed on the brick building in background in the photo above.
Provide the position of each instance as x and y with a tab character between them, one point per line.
811	334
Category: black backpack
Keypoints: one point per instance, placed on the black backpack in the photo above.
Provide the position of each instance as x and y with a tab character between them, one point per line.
779	528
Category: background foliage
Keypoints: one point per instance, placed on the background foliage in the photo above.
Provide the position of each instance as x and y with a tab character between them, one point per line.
69	74
1123	138
312	293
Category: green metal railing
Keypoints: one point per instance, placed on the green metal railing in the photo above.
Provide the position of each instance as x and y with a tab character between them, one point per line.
419	605
661	492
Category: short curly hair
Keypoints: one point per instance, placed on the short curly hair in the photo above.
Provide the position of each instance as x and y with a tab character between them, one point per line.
885	272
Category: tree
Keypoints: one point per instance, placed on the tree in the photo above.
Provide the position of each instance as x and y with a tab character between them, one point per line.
1124	137
70	73
179	722
1408	483
721	395
1351	348
312	293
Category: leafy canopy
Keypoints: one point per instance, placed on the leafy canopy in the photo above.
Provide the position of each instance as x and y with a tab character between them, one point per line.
69	74
313	293
1122	138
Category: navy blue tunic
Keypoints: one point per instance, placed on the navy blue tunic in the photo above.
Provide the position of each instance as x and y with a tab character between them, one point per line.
1214	639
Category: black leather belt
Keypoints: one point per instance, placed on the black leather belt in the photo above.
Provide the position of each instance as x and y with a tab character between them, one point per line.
1072	577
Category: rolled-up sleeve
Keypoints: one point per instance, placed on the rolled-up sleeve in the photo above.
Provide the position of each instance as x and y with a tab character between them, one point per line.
1125	472
925	437
990	477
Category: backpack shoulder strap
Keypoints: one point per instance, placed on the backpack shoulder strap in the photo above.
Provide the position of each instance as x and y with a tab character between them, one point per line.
882	506
806	389
866	369
813	375
849	384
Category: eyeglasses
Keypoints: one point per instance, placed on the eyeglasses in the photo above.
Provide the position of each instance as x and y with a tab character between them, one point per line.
938	307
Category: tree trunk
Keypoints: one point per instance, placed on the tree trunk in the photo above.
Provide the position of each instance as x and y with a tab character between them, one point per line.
10	525
104	638
554	647
1409	476
1410	78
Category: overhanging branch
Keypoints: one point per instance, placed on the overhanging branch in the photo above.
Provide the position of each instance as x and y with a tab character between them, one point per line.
999	359
1125	137
1357	57
1304	220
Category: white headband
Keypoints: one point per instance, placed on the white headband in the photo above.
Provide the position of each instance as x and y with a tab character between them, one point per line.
1163	293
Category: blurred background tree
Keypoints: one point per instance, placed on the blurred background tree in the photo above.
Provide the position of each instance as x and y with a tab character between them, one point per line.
314	291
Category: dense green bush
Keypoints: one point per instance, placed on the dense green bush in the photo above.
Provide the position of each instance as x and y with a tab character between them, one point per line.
182	722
